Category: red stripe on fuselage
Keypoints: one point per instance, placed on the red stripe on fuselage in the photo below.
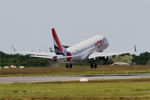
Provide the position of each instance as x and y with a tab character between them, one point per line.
57	40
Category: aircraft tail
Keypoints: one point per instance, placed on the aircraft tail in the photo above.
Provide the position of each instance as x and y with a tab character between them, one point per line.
57	44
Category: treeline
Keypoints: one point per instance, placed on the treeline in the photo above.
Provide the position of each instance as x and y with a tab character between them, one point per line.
142	59
20	60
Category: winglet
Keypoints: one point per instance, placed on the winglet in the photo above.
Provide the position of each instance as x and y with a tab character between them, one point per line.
135	50
14	49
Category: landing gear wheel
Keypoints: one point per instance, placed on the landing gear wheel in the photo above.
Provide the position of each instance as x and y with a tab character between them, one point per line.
93	65
68	65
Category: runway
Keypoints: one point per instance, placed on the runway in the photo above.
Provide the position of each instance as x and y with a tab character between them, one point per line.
62	78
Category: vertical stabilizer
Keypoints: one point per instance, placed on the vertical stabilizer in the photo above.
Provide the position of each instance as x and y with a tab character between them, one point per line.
57	45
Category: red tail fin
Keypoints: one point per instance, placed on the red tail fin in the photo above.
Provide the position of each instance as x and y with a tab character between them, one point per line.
57	45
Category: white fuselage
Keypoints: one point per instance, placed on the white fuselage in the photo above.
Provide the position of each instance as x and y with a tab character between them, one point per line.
83	49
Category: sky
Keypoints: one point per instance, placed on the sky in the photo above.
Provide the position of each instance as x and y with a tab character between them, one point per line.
27	23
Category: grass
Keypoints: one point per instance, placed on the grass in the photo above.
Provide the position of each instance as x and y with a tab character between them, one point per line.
124	89
76	70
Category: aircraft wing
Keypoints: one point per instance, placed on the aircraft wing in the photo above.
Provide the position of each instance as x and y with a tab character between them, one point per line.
103	54
53	57
35	53
49	55
43	56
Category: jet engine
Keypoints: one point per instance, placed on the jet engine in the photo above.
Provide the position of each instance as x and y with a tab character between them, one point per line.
106	58
55	58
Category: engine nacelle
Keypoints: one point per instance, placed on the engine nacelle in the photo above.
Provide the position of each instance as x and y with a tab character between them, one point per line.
55	58
106	58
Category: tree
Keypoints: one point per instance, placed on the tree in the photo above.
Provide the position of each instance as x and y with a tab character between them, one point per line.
142	59
20	60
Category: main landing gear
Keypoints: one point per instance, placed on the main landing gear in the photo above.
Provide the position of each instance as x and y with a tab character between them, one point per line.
68	65
93	65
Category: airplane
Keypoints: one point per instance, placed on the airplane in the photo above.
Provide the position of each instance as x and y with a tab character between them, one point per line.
90	49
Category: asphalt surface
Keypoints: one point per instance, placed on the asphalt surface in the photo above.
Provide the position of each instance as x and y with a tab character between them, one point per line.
61	78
